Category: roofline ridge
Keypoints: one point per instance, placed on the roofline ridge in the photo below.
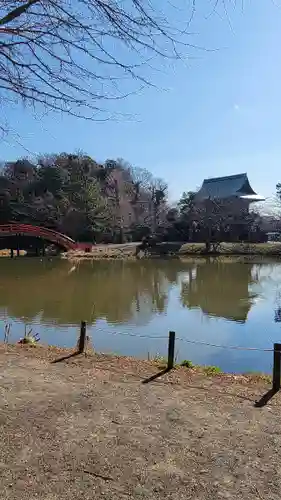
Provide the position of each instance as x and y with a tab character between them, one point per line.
225	177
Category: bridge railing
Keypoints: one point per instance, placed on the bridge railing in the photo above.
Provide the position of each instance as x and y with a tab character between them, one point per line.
46	230
38	231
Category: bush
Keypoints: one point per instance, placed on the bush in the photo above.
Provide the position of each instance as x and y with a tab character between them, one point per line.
187	363
212	370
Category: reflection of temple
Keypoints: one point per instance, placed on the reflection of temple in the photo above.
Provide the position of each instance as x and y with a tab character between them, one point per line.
220	289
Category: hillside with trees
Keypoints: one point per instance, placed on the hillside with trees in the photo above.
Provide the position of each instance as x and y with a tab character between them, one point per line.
111	202
89	201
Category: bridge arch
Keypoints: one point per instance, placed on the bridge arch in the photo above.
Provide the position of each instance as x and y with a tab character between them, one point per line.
43	233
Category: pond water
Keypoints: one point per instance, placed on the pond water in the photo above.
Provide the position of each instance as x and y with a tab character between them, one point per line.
217	301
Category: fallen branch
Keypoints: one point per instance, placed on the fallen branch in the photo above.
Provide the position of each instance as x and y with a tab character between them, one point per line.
95	474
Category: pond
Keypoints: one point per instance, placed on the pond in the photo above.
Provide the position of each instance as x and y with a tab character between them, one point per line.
130	306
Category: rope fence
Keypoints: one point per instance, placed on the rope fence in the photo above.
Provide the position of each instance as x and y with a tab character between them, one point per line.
181	339
171	340
166	337
276	374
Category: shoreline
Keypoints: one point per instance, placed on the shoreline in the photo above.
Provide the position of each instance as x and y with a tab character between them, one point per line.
175	250
167	250
181	372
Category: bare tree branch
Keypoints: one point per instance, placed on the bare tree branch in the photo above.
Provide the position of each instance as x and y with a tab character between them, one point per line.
76	56
72	55
17	12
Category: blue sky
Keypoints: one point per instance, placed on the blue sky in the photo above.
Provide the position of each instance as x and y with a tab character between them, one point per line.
217	114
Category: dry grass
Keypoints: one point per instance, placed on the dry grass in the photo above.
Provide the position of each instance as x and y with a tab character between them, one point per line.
234	248
7	253
89	428
175	249
125	251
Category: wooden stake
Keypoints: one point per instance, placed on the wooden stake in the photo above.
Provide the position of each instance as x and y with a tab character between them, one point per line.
171	350
82	338
276	367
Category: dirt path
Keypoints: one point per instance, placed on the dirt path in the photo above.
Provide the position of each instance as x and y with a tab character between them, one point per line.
89	428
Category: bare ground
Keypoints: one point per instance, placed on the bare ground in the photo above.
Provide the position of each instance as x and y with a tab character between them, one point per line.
88	428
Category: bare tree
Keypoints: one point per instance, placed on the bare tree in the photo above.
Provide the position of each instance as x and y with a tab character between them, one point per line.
269	212
158	190
215	221
141	182
206	220
70	55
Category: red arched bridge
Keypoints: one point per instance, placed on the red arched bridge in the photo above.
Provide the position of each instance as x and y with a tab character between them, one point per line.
27	231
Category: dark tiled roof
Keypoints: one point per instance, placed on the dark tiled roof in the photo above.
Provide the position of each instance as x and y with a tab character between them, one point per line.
225	187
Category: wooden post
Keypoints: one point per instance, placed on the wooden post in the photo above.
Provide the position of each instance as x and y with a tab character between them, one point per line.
18	247
171	350
82	338
276	367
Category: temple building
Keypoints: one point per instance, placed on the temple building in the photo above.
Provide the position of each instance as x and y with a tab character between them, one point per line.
224	202
231	189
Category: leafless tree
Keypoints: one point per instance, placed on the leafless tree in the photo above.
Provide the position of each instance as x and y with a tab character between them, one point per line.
140	197
269	213
158	190
141	180
71	55
216	221
206	219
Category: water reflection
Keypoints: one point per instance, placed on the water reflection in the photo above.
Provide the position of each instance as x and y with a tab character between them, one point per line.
149	298
220	289
123	292
64	294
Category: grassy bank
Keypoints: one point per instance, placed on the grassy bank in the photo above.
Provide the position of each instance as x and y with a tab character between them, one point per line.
101	427
175	250
271	248
181	372
129	251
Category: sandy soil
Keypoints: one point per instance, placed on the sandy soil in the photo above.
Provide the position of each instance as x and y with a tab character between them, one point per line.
89	428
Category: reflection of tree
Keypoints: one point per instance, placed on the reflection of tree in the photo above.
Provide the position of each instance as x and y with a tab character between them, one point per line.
277	315
220	289
116	291
277	309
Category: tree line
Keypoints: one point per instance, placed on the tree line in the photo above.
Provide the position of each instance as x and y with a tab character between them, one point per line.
89	201
113	202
